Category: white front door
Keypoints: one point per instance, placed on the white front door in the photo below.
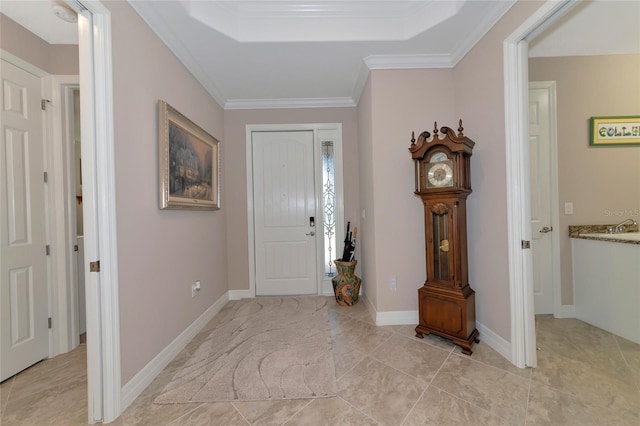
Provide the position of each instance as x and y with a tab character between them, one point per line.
23	281
284	203
541	190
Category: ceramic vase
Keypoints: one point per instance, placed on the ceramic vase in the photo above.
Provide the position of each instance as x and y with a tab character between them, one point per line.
346	285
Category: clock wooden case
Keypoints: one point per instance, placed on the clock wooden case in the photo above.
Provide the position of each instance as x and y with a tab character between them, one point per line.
446	302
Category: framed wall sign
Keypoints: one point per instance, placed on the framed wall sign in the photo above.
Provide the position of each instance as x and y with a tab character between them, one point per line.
189	169
607	131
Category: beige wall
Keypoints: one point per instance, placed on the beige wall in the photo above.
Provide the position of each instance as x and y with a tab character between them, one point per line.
160	253
367	237
603	183
235	175
402	101
60	59
479	94
393	104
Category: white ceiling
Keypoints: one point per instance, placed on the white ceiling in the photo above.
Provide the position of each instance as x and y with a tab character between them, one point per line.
264	53
38	17
297	53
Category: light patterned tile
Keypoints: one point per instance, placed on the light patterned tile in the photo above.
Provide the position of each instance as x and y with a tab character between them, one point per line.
360	335
604	354
586	376
431	339
439	408
5	391
501	393
52	375
413	358
143	411
631	354
353	311
366	317
381	392
55	406
214	413
548	406
633	361
484	354
54	390
627	345
570	334
269	413
345	356
591	384
330	412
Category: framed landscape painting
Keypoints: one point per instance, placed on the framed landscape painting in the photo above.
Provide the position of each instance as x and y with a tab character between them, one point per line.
189	169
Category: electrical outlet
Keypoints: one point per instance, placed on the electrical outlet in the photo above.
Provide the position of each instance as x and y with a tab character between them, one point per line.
195	287
393	284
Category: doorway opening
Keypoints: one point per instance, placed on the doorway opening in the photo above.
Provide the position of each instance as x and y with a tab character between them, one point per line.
523	340
315	153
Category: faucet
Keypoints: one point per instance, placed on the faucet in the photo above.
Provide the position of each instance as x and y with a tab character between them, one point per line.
621	226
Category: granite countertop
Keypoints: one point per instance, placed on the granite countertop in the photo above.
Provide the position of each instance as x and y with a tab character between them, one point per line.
579	231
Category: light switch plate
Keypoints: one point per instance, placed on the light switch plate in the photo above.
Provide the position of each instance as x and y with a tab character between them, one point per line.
568	208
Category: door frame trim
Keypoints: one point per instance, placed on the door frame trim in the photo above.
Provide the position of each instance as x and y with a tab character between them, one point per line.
103	318
516	82
339	191
64	307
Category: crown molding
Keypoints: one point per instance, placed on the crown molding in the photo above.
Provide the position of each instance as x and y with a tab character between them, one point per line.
173	43
395	62
345	20
477	32
289	103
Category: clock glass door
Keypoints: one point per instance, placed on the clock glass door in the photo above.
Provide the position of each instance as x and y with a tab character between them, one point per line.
440	246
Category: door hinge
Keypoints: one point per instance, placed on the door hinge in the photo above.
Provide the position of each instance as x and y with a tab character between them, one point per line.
43	103
75	247
94	266
46	177
526	244
47	249
50	323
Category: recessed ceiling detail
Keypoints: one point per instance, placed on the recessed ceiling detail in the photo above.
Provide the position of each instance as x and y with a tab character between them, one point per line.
322	21
261	53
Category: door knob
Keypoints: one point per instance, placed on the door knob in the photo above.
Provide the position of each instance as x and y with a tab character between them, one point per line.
546	229
311	233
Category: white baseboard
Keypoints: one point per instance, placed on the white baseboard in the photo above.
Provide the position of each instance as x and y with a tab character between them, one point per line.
396	318
241	294
494	341
565	311
140	381
391	317
488	336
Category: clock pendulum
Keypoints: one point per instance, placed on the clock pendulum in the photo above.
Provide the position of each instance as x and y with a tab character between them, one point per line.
446	302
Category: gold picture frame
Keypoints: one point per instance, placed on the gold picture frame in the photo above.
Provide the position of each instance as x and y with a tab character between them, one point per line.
189	163
614	131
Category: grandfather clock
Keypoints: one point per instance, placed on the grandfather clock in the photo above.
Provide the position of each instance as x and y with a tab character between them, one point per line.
443	182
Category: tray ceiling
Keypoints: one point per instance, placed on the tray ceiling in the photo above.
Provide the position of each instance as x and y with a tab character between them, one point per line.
266	54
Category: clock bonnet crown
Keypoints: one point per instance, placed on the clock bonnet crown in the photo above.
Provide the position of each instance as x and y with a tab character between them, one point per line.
457	147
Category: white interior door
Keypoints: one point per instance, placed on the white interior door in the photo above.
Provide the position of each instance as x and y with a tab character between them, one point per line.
541	190
24	300
284	202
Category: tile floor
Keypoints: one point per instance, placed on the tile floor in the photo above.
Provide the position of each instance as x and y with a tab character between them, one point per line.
385	376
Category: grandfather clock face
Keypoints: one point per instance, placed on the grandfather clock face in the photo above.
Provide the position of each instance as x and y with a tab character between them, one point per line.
440	233
438	171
